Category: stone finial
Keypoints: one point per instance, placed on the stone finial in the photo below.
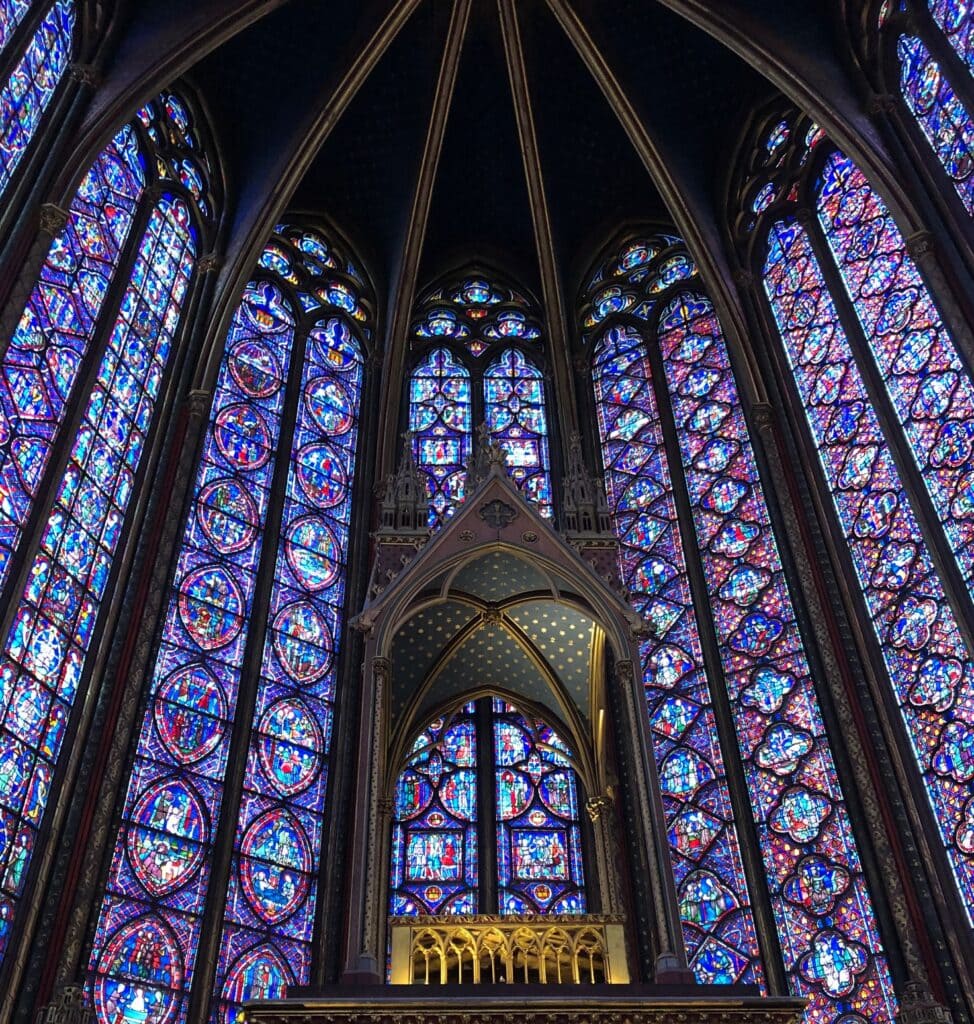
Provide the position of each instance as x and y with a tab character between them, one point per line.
586	512
919	1007
405	506
67	1007
488	458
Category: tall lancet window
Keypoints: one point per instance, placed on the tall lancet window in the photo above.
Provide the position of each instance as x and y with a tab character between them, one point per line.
728	683
36	42
524	809
910	49
888	405
478	359
81	379
251	639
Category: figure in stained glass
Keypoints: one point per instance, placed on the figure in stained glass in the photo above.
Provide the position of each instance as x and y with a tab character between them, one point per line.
464	366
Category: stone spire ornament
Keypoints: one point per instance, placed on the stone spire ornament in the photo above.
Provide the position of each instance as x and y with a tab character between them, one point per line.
488	457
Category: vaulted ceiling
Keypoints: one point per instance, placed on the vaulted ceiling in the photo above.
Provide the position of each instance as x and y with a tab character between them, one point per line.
424	127
518	133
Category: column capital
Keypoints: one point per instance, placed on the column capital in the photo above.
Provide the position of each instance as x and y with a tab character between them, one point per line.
52	219
880	103
920	244
209	263
85	74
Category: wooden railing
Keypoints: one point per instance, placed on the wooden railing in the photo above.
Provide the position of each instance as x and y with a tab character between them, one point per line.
554	950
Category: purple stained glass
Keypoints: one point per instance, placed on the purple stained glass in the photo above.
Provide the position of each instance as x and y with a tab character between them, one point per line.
30	88
956	19
40	368
931	391
516	417
940	114
12	13
277	849
435	821
802	822
929	666
539	846
440	419
705	853
160	869
45	651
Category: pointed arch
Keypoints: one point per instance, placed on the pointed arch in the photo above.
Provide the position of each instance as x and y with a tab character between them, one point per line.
487	776
35	78
251	640
465	374
94	348
699	553
882	389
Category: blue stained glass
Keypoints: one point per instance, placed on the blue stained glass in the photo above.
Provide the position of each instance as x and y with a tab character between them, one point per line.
939	112
39	370
931	392
705	854
434	831
45	651
956	19
793	784
928	663
272	892
160	869
539	855
12	13
440	419
514	398
32	84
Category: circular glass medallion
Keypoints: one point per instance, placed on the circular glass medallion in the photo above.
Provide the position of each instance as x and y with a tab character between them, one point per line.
228	515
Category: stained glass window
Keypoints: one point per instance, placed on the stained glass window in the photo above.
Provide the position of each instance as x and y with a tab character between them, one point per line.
890	364
41	365
539	844
704	844
515	414
440	418
44	654
279	832
33	82
827	929
931	392
442	813
927	660
939	112
826	924
434	835
12	13
290	381
467	373
956	19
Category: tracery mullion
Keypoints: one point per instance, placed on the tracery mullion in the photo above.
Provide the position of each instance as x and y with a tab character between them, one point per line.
930	523
487	809
150	924
33	418
26	61
757	882
811	860
899	585
12	575
202	995
47	654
